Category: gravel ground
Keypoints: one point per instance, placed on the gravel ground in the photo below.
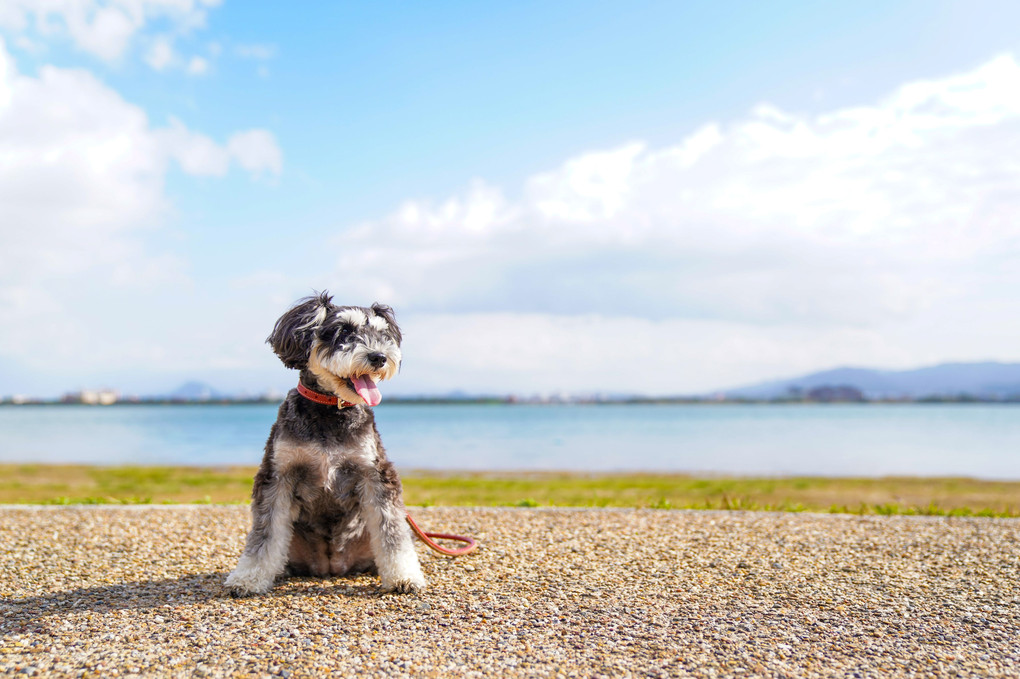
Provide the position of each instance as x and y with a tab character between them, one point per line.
128	591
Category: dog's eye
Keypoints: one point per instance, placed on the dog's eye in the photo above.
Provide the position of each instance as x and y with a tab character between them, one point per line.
341	332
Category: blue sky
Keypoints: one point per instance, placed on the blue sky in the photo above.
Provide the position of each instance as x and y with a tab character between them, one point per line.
556	197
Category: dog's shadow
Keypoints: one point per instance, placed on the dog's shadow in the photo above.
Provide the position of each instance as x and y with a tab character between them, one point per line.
197	588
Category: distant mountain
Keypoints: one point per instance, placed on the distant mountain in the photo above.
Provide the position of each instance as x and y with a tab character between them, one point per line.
982	380
195	391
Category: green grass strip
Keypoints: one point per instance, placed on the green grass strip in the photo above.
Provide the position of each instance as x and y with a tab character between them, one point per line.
76	484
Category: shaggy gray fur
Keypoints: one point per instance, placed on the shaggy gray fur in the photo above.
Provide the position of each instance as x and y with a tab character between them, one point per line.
326	501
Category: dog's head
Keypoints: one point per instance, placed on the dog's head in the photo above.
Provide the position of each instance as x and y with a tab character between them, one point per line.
348	349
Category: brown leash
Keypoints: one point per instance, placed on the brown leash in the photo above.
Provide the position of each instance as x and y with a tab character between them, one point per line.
469	547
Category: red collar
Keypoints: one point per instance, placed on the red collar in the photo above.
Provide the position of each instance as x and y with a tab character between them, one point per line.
322	398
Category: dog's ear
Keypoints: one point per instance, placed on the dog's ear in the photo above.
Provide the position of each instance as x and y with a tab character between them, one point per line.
293	333
386	313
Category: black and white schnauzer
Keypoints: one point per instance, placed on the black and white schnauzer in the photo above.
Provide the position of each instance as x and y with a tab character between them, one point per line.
326	501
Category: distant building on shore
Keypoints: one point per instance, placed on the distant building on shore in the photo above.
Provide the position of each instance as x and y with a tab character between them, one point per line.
92	397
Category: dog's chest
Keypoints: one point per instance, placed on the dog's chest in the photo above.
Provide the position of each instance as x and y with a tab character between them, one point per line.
317	462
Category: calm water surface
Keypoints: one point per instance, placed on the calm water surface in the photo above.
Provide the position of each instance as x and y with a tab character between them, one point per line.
870	440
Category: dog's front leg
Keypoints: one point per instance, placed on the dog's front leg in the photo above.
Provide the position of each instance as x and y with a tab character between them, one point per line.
389	535
266	550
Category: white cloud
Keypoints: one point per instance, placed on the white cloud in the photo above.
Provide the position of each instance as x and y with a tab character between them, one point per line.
105	33
544	353
161	54
198	66
883	234
593	187
81	185
27	44
103	28
861	230
856	213
258	52
256	151
78	165
196	153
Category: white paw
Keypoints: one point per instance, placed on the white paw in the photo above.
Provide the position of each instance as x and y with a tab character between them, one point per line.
405	577
249	578
409	585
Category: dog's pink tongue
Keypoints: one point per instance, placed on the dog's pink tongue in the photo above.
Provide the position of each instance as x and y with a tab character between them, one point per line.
365	386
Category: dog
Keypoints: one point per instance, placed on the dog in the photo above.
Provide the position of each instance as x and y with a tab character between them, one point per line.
326	501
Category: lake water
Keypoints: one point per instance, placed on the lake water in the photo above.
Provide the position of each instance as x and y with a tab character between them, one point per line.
980	441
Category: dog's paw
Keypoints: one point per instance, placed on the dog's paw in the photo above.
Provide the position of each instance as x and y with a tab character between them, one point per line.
401	572
403	586
248	579
235	592
241	587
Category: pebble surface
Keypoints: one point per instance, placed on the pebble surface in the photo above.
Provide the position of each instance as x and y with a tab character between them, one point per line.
137	591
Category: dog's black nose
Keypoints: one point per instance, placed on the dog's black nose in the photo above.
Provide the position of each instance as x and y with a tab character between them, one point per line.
377	359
